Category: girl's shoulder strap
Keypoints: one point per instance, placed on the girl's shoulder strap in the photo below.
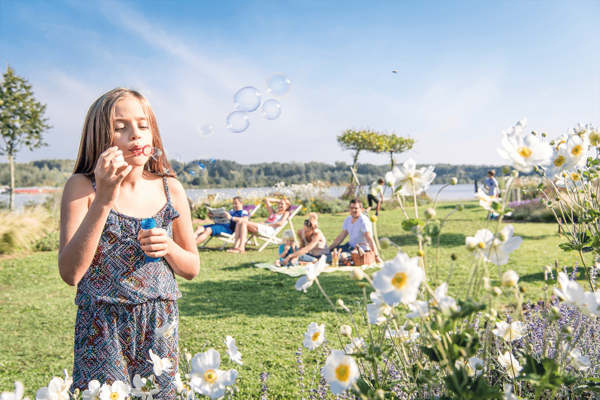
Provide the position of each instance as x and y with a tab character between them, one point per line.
167	189
93	179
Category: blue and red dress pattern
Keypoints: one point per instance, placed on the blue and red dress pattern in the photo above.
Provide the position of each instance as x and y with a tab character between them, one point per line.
121	301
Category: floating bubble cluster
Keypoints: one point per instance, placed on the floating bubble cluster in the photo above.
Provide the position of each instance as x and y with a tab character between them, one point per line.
207	163
278	85
271	109
238	121
205	130
247	99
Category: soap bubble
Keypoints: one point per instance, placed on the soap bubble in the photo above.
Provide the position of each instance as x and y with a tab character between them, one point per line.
278	85
176	162
247	99
207	163
205	130
271	109
237	121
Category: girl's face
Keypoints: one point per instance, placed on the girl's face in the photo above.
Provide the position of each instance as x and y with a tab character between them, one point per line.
289	242
132	131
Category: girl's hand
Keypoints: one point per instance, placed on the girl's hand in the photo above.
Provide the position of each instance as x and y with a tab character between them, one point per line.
109	173
155	242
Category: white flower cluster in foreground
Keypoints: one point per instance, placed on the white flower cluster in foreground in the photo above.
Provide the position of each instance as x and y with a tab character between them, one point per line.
410	180
494	249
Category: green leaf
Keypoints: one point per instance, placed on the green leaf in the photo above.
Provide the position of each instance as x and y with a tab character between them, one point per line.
408	224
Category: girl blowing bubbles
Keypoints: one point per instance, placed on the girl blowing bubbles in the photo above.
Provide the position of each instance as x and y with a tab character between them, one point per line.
122	298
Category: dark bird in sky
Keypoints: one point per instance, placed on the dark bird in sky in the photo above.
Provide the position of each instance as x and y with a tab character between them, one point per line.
395	72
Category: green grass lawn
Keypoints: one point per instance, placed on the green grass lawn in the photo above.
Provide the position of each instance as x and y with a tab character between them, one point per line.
259	308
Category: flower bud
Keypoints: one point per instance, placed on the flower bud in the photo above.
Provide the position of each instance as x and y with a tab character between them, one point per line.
505	169
522	289
481	245
514	174
567	329
379	394
497	291
471	246
345	330
340	302
544	134
430	213
486	283
390	184
421	253
385	243
188	356
494	313
453	181
409	325
362	285
453	256
510	278
374	218
504	236
460	207
357	274
236	389
534	133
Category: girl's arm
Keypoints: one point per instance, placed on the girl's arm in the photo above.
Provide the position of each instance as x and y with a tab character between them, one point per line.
83	214
181	251
268	204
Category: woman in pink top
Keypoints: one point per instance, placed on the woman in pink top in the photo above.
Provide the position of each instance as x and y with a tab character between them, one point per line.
275	220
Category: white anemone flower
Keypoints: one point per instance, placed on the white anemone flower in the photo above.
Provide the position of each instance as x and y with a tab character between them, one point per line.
412	180
561	161
486	201
508	394
167	329
312	273
524	152
340	371
179	386
572	179
442	301
482	240
572	294
232	350
16	395
510	332
140	390
510	278
498	250
399	280
354	346
418	309
206	378
472	366
314	336
403	335
58	389
160	365
93	391
378	311
579	361
510	364
117	391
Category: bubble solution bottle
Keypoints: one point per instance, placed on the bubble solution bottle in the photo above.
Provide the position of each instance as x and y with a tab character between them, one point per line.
149	223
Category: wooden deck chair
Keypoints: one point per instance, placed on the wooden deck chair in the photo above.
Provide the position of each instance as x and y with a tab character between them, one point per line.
273	239
227	238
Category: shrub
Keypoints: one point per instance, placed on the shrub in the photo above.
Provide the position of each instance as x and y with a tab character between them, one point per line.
50	242
531	211
19	230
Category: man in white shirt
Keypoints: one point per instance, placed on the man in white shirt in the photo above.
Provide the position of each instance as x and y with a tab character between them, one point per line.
360	229
491	184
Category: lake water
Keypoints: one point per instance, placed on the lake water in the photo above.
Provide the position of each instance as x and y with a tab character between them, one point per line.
458	192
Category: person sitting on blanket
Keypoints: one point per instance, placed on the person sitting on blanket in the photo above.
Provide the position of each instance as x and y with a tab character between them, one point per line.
234	216
360	229
288	247
266	229
313	243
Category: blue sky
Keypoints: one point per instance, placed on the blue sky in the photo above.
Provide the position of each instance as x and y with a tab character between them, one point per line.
466	71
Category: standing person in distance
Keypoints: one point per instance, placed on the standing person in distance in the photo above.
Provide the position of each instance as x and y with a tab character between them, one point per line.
122	299
491	184
374	189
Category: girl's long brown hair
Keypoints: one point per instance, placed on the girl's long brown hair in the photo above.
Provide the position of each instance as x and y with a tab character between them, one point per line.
98	131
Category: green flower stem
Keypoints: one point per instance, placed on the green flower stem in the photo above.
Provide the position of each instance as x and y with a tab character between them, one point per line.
438	194
587	273
401	206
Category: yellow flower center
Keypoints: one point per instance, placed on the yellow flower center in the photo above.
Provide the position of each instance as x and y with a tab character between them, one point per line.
210	376
575	176
399	280
114	396
342	372
576	150
558	161
481	245
525	152
315	336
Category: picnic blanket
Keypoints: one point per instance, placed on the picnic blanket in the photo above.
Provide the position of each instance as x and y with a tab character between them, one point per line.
300	270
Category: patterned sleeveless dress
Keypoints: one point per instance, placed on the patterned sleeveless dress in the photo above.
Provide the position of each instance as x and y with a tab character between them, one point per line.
121	300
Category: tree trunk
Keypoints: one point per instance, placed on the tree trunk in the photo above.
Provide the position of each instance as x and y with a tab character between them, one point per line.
11	162
392	159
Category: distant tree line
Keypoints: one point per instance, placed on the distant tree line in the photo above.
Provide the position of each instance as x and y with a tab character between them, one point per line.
226	174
